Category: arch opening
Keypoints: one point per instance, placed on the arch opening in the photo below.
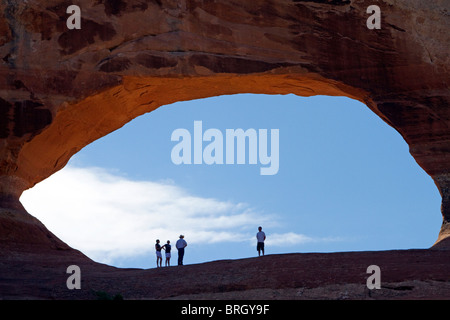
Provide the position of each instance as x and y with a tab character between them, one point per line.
345	183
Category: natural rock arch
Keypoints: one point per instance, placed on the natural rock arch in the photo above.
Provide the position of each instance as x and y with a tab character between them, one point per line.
61	89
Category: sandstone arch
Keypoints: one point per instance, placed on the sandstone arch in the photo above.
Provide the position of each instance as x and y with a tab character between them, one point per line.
61	89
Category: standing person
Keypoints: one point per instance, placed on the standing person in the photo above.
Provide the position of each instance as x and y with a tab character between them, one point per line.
167	247
158	254
260	237
181	244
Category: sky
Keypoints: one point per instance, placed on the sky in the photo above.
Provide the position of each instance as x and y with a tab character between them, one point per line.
345	182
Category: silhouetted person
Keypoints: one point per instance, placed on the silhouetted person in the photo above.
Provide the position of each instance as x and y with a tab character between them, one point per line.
260	237
181	244
167	247
158	254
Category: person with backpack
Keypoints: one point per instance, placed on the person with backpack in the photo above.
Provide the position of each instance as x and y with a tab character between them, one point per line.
167	247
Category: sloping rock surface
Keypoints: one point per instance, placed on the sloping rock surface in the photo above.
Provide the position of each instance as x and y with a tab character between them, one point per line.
405	274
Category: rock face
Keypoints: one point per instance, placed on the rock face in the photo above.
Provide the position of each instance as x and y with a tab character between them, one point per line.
61	89
405	274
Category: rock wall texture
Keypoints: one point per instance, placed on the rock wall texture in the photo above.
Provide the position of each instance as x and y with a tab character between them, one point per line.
61	89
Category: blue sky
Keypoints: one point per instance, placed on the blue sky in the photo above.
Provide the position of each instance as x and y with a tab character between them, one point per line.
346	182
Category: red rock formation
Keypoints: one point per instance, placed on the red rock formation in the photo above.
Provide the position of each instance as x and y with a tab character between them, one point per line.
405	274
61	89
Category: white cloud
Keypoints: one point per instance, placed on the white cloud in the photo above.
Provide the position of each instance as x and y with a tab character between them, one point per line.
107	216
110	217
291	238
